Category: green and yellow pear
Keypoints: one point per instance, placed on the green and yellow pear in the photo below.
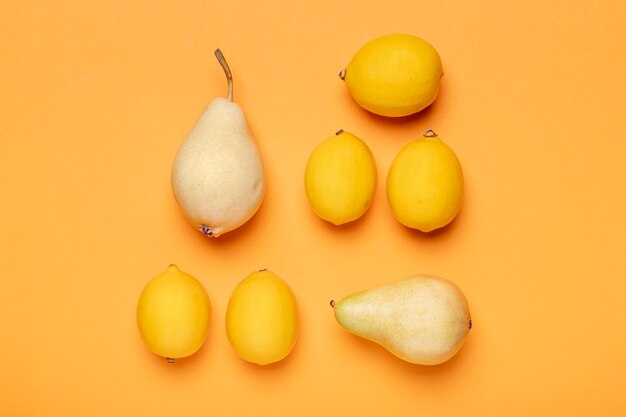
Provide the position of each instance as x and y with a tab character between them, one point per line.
422	319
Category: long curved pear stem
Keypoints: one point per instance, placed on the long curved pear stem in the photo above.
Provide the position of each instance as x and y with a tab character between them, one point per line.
229	75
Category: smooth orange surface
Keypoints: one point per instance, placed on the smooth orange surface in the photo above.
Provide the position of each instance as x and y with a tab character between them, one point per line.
95	98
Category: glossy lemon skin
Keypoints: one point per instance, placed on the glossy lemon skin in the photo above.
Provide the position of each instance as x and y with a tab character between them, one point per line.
340	178
174	314
394	75
425	185
262	318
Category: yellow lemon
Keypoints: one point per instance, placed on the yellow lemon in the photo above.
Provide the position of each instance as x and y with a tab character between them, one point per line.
261	318
394	75
425	184
173	314
340	178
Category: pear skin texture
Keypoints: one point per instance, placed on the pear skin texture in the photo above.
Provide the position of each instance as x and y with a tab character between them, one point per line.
421	319
217	176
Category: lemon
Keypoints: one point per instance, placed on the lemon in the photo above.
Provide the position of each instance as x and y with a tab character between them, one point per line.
394	75
173	314
425	184
340	178
261	318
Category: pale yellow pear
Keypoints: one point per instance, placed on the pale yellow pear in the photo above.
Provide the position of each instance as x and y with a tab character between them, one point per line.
422	319
217	176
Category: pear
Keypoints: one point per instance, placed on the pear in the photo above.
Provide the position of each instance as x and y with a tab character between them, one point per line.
217	176
422	319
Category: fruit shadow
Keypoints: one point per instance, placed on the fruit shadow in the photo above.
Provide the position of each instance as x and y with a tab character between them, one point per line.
180	365
269	372
229	239
391	122
403	120
442	233
270	369
376	352
345	228
437	234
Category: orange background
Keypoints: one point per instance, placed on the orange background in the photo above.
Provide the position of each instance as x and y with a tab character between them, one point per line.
96	97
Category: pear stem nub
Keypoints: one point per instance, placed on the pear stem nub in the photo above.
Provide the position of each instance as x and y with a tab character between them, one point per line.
229	75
